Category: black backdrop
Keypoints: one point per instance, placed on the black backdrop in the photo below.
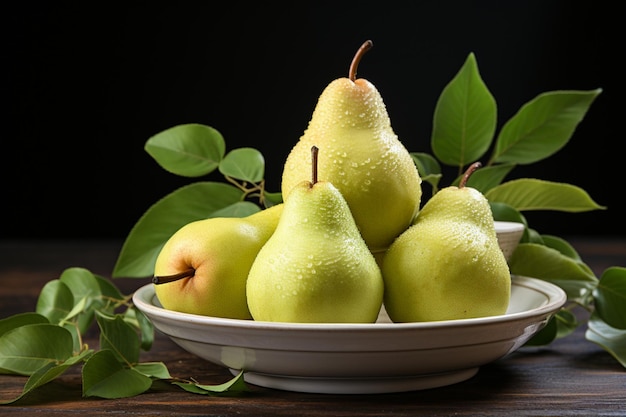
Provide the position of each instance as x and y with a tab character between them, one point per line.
85	84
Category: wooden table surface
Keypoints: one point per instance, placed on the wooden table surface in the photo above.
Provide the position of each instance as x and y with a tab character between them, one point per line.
571	376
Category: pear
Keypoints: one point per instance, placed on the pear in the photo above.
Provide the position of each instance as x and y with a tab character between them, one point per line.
365	159
316	267
448	264
203	267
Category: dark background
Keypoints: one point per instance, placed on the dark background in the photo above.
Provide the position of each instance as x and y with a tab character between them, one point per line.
84	85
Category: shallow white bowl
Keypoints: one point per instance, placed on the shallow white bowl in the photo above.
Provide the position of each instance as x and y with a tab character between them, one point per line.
509	235
359	358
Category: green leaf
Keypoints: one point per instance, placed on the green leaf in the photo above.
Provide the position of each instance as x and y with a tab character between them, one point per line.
234	385
428	168
55	301
426	164
609	338
189	203
610	297
539	261
239	209
532	236
534	194
108	290
48	373
81	282
271	199
72	327
138	319
26	349
104	376
153	370
85	288
504	212
566	322
561	245
21	319
119	337
189	150
246	164
542	126
465	118
79	308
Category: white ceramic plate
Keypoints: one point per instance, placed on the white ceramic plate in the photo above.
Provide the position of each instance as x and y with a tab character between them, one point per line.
359	358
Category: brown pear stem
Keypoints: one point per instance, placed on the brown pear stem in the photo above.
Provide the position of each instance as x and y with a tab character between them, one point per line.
367	45
468	172
171	278
314	152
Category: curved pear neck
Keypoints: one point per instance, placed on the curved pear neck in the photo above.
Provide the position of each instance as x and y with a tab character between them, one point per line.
311	206
347	104
465	204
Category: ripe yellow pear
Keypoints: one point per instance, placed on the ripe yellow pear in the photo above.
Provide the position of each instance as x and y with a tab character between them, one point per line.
448	264
316	267
364	159
203	267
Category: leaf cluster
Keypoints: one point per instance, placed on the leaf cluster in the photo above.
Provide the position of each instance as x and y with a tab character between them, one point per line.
46	343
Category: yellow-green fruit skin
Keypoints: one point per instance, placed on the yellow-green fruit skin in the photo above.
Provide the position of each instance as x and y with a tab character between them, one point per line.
221	250
448	265
313	271
362	156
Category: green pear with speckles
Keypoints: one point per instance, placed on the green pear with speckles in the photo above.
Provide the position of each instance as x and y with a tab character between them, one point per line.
448	264
316	267
365	159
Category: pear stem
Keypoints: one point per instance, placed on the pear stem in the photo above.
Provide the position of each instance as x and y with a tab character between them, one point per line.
171	278
367	45
314	155
470	170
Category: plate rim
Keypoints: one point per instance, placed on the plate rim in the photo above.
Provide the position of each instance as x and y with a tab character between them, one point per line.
556	298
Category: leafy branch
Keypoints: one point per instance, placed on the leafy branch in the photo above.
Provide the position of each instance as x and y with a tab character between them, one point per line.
45	343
